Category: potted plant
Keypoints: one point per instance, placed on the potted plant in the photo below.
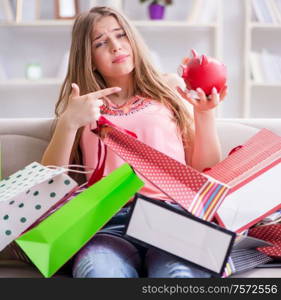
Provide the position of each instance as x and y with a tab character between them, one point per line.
157	8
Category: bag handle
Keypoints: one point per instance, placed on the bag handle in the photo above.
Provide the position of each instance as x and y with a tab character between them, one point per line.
68	168
235	149
230	152
103	121
99	170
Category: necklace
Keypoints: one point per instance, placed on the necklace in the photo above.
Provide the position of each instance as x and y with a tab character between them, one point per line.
134	104
117	106
125	106
110	104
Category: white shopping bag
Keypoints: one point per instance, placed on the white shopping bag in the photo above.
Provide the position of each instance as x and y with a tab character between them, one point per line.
202	243
26	195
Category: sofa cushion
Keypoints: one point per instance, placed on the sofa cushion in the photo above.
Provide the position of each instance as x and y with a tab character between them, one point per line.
19	269
19	151
23	141
233	134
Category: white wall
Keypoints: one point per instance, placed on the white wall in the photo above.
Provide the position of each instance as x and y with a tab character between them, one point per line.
233	55
19	45
232	44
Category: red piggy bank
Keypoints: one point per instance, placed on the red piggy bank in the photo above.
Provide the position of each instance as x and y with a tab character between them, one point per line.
203	72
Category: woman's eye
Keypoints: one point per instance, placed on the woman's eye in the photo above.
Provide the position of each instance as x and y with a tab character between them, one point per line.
100	44
121	35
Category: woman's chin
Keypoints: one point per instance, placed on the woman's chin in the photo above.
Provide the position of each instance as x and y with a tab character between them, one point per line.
123	71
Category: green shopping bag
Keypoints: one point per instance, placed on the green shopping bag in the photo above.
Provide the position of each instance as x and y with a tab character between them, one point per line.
56	239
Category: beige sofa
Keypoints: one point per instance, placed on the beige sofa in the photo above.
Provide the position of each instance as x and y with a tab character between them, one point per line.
24	140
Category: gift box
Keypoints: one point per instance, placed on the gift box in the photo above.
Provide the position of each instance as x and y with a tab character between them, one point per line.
28	194
198	193
252	172
50	244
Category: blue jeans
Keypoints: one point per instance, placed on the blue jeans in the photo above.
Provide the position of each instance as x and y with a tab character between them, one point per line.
110	255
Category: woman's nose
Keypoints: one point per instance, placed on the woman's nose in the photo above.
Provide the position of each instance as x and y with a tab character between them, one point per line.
116	46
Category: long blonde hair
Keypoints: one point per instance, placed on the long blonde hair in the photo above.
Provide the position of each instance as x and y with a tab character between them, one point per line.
147	81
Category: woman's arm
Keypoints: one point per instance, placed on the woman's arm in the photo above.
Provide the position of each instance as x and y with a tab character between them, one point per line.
206	151
59	150
80	111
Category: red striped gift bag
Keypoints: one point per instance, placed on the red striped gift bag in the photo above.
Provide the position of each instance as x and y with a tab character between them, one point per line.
200	194
252	172
270	233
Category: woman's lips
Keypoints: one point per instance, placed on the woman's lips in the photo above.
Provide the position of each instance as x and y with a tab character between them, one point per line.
120	58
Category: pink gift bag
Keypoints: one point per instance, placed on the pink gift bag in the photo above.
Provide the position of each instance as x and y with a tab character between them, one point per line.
253	172
270	233
200	194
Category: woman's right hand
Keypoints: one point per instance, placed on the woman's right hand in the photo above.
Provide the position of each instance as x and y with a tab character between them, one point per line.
83	110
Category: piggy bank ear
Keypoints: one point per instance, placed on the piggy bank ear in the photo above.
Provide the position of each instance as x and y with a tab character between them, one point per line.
204	60
194	54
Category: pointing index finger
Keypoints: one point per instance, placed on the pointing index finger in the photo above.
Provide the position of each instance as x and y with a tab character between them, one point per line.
106	92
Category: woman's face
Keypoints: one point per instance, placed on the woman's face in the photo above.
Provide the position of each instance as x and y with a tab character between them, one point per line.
111	50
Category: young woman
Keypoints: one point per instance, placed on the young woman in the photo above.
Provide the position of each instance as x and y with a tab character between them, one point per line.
110	73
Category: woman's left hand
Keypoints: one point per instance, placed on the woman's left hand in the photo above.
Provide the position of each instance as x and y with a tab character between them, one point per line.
204	103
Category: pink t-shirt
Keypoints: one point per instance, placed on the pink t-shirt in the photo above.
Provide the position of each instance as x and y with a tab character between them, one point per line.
152	122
